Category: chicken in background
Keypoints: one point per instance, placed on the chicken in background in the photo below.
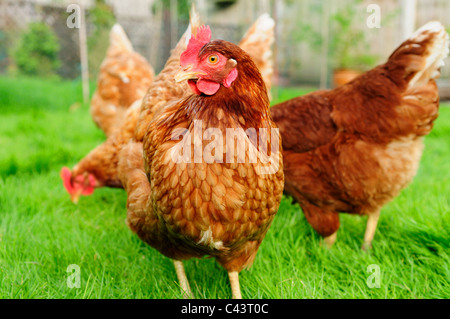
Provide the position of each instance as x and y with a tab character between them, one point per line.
196	207
99	167
124	77
354	148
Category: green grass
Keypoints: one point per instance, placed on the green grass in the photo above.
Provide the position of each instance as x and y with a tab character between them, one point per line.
42	232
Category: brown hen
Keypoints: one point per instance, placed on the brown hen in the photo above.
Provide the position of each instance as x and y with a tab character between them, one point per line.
186	204
124	78
354	148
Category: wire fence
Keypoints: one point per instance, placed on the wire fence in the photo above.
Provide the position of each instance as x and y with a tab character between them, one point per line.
15	16
150	28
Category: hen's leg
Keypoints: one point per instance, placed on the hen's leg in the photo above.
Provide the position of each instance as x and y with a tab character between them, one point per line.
234	282
371	227
184	283
134	180
330	240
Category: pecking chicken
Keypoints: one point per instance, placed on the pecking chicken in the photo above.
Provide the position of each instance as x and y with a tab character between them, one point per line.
190	197
99	167
124	78
354	148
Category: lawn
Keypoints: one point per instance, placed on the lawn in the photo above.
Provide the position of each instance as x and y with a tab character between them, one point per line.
42	232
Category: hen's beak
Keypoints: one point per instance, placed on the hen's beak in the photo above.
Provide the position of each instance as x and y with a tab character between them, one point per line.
75	196
187	74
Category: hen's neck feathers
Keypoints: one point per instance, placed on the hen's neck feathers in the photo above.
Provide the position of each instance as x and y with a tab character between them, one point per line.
246	101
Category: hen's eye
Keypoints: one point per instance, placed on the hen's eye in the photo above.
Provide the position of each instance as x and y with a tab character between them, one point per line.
213	59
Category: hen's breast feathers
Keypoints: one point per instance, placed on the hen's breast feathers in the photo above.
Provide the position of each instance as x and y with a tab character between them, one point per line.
218	209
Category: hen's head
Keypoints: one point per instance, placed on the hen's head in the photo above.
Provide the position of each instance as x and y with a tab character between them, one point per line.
208	65
83	184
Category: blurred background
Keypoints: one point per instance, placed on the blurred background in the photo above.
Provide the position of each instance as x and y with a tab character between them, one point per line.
314	38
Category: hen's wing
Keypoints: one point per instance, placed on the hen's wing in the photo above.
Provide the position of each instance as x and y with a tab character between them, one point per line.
134	180
257	42
124	78
305	122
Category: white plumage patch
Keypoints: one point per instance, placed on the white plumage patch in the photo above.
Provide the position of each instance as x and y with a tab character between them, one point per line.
438	50
207	239
264	24
188	34
119	38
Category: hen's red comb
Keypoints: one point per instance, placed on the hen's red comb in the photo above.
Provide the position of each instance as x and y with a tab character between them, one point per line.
66	175
196	42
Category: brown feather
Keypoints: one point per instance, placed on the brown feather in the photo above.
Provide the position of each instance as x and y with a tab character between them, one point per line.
353	149
124	78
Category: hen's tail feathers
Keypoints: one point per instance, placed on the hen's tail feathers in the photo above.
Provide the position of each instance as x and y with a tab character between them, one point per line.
119	40
257	42
194	19
422	55
194	24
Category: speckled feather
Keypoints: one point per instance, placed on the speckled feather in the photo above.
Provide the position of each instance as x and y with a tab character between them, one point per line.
194	209
124	78
103	160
